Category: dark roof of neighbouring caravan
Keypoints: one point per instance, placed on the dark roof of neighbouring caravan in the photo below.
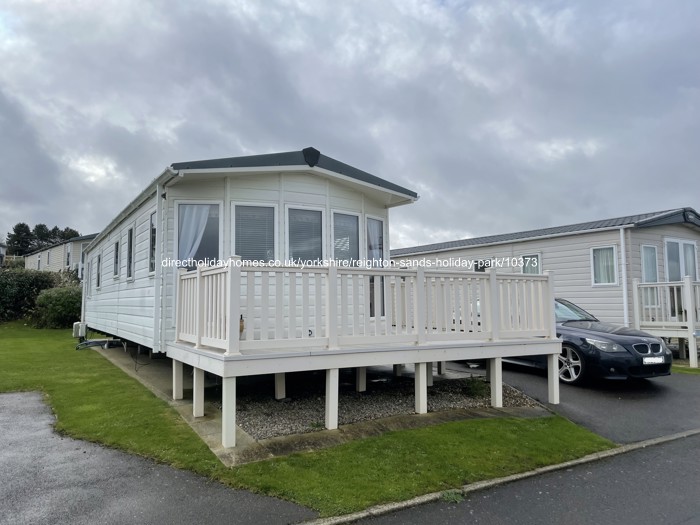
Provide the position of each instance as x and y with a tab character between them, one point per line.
642	220
306	157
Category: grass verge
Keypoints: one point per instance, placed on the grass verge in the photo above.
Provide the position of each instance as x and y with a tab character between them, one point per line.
95	401
677	369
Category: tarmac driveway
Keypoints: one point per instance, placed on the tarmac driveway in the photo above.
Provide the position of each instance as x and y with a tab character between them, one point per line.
622	411
47	478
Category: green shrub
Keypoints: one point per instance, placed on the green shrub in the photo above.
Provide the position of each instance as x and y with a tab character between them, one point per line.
19	289
57	307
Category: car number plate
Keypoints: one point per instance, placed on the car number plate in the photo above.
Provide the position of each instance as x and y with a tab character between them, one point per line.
652	360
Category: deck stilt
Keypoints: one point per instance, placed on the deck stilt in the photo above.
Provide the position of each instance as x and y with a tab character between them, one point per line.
429	370
228	412
496	379
441	367
421	382
361	379
280	386
332	398
553	379
198	392
177	379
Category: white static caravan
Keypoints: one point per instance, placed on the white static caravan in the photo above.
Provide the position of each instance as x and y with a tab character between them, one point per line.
251	309
626	270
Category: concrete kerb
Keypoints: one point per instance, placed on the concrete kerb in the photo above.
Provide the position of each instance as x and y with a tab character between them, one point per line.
387	508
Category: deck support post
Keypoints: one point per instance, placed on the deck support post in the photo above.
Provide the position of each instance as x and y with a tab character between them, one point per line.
421	383
441	367
332	398
228	412
553	379
361	379
690	309
398	370
280	386
177	380
496	379
198	392
429	372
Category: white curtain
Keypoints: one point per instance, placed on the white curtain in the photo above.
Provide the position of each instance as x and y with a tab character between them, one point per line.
650	274
192	223
375	240
689	260
604	265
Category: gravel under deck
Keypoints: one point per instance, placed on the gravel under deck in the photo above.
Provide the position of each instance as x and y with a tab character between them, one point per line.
262	417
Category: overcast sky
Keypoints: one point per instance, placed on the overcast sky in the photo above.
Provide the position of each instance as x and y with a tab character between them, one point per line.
503	116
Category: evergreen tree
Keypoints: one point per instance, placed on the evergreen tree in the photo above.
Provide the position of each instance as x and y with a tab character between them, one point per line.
21	240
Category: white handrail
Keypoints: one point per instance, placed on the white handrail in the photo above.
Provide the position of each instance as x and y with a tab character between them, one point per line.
332	307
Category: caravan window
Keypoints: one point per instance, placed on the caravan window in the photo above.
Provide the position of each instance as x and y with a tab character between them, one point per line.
305	235
116	259
198	233
346	237
604	265
254	230
152	245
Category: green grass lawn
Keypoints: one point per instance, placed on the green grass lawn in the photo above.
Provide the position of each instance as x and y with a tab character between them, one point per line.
95	401
676	369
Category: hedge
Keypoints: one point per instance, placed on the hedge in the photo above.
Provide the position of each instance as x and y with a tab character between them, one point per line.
19	289
57	307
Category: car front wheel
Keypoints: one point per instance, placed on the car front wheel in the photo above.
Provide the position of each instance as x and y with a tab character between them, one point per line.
571	365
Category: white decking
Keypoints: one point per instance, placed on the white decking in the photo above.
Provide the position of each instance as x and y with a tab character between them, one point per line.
327	318
669	310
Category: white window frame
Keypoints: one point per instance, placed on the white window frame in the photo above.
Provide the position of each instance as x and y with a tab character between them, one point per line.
125	243
219	203
384	235
275	221
68	255
643	265
98	272
154	216
38	262
291	206
48	257
539	262
617	278
680	242
361	234
117	248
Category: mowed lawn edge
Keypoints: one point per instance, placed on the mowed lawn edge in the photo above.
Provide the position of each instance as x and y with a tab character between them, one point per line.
95	401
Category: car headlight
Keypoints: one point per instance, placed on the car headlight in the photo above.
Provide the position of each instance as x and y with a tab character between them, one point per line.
605	346
664	347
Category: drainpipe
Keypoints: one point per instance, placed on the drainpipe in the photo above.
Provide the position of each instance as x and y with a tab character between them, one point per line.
625	301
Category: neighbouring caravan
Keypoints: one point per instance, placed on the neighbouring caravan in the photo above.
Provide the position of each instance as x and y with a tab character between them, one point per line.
66	255
278	263
626	270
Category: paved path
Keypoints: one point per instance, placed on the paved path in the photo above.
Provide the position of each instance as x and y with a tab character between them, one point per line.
47	478
659	484
623	411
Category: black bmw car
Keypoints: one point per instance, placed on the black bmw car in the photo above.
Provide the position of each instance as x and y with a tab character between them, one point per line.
591	348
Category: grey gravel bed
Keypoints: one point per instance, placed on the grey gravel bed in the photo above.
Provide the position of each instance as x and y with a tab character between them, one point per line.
261	416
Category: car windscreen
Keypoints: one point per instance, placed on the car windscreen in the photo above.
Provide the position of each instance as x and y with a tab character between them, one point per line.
566	311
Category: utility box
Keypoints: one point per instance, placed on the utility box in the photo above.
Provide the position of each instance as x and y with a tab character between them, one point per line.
79	329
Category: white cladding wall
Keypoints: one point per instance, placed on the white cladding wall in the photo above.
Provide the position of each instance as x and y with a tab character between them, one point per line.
569	257
125	307
122	306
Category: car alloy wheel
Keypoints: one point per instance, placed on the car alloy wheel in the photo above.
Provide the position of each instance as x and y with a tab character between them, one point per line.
570	365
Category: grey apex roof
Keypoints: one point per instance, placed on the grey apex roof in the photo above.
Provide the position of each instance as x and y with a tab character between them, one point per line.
306	157
676	216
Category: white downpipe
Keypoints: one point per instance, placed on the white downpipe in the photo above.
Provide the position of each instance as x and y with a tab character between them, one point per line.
625	300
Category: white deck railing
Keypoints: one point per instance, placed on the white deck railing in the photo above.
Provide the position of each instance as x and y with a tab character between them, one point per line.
331	307
669	310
